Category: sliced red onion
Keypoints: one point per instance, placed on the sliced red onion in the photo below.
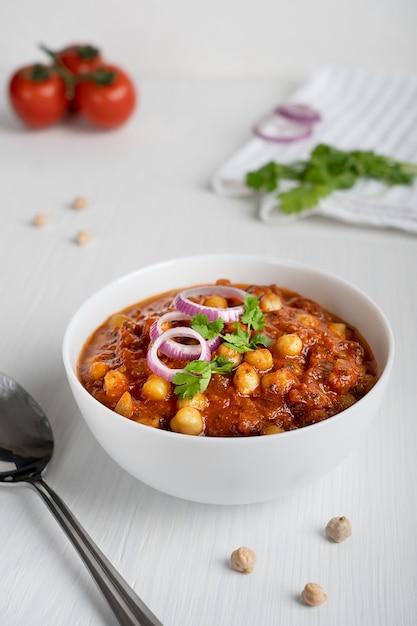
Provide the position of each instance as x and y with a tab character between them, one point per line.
278	128
155	363
172	316
230	314
174	349
299	113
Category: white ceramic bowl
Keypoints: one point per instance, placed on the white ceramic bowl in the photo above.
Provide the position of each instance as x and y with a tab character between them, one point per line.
230	470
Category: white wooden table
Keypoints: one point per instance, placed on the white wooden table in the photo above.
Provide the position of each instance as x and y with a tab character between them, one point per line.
149	199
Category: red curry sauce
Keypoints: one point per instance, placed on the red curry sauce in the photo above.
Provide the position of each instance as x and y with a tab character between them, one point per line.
332	371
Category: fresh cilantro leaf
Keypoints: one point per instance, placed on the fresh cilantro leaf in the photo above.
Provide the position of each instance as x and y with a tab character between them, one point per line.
253	315
259	340
198	367
326	170
187	385
221	365
208	330
194	379
243	340
196	376
387	170
239	340
267	177
302	197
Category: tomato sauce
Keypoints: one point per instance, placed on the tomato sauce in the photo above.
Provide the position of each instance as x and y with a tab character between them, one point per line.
332	368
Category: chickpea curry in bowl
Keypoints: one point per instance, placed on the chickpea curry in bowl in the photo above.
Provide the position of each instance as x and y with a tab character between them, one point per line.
227	360
228	378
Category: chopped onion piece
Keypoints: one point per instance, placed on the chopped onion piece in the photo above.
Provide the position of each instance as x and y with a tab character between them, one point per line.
155	363
173	348
280	129
299	113
230	314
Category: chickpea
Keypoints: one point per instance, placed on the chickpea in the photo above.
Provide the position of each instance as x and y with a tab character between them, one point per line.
199	402
98	370
148	420
229	353
313	594
40	220
308	320
272	429
339	528
188	421
156	388
270	302
246	379
83	237
261	359
280	381
338	329
216	301
118	319
125	405
243	560
79	203
289	345
115	384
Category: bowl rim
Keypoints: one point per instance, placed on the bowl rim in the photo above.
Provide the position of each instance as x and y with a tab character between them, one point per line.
244	440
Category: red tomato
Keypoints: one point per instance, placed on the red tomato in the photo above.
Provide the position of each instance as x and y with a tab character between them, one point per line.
107	98
80	59
38	95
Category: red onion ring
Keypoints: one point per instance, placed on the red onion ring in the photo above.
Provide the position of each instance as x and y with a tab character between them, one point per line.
159	368
283	130
174	349
298	113
171	316
229	314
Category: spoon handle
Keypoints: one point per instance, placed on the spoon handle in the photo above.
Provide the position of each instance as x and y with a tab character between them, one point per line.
126	605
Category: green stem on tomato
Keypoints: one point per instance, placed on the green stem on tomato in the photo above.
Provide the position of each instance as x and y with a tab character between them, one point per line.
65	74
38	73
88	52
102	76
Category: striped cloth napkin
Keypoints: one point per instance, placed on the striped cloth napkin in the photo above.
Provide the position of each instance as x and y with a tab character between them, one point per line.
360	109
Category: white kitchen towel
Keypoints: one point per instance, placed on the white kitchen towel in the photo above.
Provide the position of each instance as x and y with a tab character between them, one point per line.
360	109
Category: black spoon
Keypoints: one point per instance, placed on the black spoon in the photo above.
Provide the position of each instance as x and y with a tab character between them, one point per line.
26	447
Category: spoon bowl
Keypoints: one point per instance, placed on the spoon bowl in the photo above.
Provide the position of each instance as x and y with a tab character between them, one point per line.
26	437
26	447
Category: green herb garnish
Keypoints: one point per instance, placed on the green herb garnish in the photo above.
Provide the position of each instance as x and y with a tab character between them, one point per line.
326	170
208	330
243	339
196	375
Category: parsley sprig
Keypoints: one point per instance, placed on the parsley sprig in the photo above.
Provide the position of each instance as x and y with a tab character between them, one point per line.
243	339
327	170
196	375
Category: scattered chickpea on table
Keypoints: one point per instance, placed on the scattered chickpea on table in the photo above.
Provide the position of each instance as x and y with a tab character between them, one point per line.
313	594
83	237
243	560
339	528
79	203
40	220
